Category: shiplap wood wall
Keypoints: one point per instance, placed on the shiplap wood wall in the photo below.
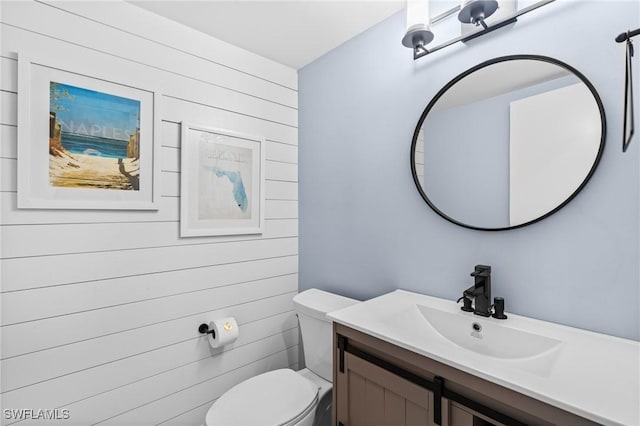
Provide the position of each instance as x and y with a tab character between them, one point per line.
100	309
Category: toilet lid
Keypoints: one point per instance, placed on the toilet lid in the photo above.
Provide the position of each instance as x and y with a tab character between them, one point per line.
273	398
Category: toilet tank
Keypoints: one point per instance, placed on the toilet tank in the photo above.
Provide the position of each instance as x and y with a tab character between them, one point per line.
317	340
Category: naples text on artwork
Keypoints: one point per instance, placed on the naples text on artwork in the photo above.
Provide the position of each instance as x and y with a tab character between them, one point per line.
94	139
224	179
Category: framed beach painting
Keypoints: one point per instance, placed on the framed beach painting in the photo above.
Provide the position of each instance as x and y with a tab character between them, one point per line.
84	142
222	182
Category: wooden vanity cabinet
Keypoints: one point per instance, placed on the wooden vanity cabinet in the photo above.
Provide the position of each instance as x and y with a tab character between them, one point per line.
378	383
375	396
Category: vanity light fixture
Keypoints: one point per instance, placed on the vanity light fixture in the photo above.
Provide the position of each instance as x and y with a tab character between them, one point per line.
470	12
476	11
418	32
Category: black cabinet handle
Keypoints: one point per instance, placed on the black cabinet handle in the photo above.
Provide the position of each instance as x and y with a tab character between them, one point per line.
438	387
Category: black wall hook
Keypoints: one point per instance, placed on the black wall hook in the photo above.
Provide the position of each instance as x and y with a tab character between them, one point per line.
627	36
204	329
628	125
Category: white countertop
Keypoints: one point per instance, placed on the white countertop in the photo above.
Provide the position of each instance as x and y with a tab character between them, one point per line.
593	375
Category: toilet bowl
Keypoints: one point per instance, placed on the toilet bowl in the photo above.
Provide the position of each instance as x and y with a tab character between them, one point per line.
279	397
286	397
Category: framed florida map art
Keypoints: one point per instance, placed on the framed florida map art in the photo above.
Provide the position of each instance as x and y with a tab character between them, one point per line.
222	182
85	142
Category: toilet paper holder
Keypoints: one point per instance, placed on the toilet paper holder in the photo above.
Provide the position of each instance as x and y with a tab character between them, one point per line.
204	329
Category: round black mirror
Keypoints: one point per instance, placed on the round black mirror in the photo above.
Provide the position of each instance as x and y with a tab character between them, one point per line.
508	142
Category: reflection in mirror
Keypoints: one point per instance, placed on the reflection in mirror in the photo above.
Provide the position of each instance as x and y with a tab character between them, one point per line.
508	142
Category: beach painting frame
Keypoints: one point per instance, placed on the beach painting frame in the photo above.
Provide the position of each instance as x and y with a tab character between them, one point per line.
85	142
221	182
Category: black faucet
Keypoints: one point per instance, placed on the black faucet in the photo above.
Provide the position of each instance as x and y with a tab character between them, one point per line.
480	292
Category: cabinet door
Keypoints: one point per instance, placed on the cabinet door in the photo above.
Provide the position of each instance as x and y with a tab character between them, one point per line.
460	415
368	395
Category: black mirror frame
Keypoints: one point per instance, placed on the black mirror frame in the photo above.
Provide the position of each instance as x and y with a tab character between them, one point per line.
459	77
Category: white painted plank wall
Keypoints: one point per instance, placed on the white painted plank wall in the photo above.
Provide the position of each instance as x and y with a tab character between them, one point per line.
100	308
5	133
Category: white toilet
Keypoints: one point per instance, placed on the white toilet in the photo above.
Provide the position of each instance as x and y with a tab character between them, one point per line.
286	397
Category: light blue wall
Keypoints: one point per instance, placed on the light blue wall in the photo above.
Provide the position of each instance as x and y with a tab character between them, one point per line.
365	230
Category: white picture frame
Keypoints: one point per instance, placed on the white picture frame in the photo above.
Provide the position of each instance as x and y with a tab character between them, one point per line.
97	148
222	182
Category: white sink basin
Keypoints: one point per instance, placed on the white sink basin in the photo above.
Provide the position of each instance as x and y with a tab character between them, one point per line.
592	375
487	337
